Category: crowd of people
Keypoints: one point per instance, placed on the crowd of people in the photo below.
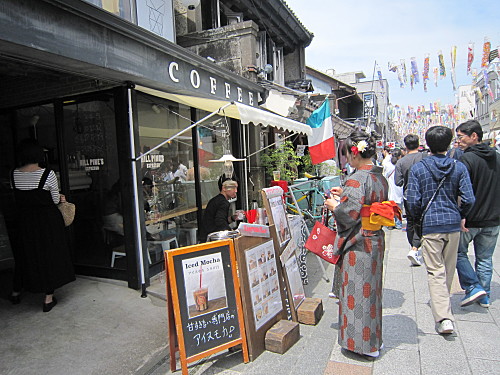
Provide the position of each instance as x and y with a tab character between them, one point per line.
450	199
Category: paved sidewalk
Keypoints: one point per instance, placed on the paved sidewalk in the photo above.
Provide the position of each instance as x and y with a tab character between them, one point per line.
411	344
97	327
102	327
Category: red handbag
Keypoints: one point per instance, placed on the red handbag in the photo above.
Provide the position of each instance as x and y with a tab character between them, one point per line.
321	240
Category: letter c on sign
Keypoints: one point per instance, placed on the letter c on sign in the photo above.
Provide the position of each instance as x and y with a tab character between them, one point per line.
195	79
173	65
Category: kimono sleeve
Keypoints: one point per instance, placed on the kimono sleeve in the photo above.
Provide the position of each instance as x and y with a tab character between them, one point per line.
347	213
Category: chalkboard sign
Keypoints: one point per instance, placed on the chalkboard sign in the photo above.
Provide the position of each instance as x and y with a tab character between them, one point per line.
206	300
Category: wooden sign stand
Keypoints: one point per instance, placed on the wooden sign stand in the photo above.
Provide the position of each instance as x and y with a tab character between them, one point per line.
281	233
248	266
213	322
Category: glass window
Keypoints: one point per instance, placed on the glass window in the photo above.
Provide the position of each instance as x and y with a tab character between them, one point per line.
157	17
167	175
210	147
121	8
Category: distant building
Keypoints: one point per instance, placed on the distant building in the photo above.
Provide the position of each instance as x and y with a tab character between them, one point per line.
375	96
487	98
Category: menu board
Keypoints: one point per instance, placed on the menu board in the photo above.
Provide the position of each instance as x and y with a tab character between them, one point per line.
206	300
273	202
294	281
264	283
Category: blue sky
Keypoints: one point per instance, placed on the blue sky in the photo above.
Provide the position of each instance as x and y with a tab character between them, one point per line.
352	35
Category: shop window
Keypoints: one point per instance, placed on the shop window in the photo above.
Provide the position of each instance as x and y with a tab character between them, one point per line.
167	175
210	147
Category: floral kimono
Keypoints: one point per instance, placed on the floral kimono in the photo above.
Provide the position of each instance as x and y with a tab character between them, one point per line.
362	250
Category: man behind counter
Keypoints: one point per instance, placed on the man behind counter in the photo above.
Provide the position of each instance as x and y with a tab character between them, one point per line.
216	216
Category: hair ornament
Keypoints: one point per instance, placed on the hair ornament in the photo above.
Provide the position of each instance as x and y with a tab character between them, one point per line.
361	146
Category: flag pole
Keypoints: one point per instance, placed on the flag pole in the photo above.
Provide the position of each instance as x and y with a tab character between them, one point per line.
373	101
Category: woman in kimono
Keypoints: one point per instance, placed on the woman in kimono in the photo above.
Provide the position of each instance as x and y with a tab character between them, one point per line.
361	244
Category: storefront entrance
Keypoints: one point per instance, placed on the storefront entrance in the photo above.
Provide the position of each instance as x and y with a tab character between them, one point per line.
79	136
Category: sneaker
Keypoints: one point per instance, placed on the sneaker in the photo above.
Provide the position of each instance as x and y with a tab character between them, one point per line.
484	301
472	296
445	327
414	257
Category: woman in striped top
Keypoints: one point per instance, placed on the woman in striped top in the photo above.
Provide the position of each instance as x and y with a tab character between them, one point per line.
43	262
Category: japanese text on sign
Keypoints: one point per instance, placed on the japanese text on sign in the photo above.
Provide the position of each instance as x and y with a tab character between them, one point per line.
219	326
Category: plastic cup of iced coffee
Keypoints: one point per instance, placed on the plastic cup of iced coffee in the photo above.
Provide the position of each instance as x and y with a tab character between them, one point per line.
201	299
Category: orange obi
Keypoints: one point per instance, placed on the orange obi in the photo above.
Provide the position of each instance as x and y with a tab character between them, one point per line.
379	214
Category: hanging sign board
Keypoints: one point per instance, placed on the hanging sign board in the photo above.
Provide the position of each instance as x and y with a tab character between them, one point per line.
206	300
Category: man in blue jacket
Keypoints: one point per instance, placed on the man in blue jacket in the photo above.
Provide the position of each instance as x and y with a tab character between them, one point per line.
435	185
483	221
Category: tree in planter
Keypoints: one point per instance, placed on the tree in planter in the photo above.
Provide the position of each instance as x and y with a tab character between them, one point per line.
306	165
283	159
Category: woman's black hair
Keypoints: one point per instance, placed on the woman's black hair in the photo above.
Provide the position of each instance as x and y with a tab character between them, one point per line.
358	136
396	155
28	151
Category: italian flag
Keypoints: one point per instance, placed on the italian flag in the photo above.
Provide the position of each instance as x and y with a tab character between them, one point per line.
321	142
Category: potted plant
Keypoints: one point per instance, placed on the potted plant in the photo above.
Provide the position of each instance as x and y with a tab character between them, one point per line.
284	159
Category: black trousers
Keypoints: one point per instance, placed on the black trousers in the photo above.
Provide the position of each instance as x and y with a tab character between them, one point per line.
411	235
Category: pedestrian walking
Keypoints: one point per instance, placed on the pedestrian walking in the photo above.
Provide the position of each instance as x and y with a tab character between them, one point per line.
395	192
401	178
482	224
435	185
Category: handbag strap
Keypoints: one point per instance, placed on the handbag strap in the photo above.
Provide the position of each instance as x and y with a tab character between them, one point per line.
432	198
324	215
